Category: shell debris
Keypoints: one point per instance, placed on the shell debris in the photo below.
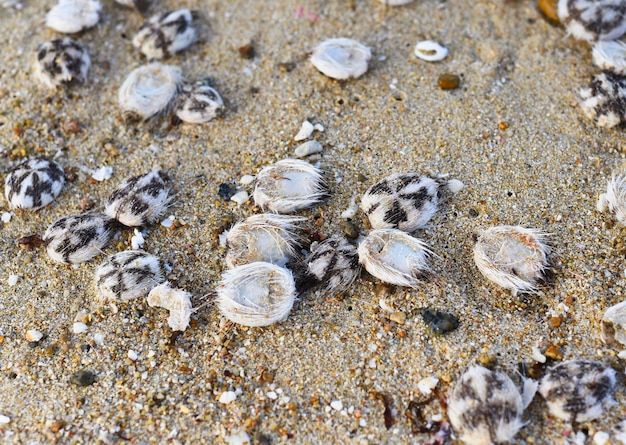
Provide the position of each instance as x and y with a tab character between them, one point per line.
33	184
341	58
395	2
604	101
127	275
306	130
430	51
61	62
166	34
72	16
334	262
176	301
593	20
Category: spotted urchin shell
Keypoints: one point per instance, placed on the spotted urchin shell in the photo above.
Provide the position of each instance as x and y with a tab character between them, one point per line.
513	257
288	185
176	301
150	90
405	201
341	58
165	34
578	390
139	200
33	184
395	257
127	275
593	19
614	200
610	55
78	238
486	407
198	103
605	100
72	16
334	262
61	62
266	237
256	294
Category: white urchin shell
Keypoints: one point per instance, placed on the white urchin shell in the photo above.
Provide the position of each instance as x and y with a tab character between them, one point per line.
578	390
593	20
139	200
165	34
266	237
71	16
341	58
334	262
33	184
394	256
604	101
175	300
150	90
288	185
61	62
513	257
430	51
127	275
614	325
486	407
256	294
614	199
405	201
198	104
610	55
78	238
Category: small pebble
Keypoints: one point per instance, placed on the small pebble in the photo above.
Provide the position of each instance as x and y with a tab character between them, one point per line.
238	437
306	130
102	173
98	339
12	281
227	397
83	378
426	385
4	420
246	180
247	51
601	438
449	81
398	317
430	51
132	355
33	335
240	197
337	405
79	328
6	217
307	149
439	322
226	191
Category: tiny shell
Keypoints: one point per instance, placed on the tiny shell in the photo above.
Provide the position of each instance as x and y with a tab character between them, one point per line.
198	103
605	100
127	275
266	237
578	390
165	34
614	325
394	257
614	200
61	62
513	257
430	51
334	262
256	294
308	148
175	300
593	20
150	90
288	185
72	16
341	58
610	55
33	184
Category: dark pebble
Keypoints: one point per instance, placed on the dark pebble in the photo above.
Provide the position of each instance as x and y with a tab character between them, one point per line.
33	344
449	81
83	378
226	191
247	51
473	213
438	322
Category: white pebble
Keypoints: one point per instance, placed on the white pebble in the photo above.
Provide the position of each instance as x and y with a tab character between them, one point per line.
337	405
79	328
319	127
341	58
98	339
601	438
175	300
305	131
167	222
6	217
246	180
132	355
228	397
103	173
455	186
4	419
426	385
537	355
308	148
240	197
33	335
13	279
272	395
430	51
239	437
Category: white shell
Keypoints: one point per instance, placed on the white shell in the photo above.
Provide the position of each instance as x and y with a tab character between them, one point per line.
308	148
605	100
288	185
71	16
593	20
139	200
513	257
610	55
395	2
256	294
577	390
486	407
614	325
78	238
405	201
266	237
175	300
127	275
430	51
166	34
33	184
614	200
198	104
61	62
150	90
334	263
394	256
341	58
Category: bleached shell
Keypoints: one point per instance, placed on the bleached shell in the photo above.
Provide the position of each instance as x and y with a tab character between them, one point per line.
486	407
405	201
165	34
266	237
614	200
578	390
150	90
334	262
71	16
198	104
127	275
33	184
177	301
593	20
61	62
256	294
78	238
288	185
139	200
513	257
610	55
394	256
430	51
605	100
341	58
614	325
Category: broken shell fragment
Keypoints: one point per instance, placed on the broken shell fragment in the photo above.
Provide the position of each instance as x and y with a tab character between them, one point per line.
198	103
72	16
33	184
334	262
176	301
61	62
614	200
430	51
127	275
341	58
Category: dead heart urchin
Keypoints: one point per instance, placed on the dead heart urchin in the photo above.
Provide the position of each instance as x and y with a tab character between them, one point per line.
593	20
604	101
198	103
334	263
166	34
61	62
33	184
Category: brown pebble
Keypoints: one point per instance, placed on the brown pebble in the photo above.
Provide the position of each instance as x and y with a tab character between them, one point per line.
555	322
549	8
57	425
86	204
553	353
398	317
503	125
72	126
30	242
247	51
449	81
349	229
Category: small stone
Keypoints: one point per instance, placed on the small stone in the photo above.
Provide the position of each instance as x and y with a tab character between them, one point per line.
247	51
57	425
87	204
449	81
4	419
132	355
98	339
240	197
553	353
226	191
555	322
308	148
601	438
83	378
427	385
33	335
438	322
487	360
503	125
246	179
13	279
79	328
398	317
305	131
337	405
227	397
